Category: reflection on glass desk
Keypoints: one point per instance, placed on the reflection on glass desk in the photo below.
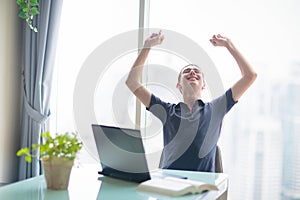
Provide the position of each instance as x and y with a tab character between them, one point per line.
85	183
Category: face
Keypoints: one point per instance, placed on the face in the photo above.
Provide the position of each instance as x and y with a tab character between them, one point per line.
191	75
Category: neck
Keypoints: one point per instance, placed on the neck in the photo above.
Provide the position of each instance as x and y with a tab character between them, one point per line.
190	98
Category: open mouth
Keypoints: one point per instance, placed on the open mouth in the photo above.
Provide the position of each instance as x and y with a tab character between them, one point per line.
192	78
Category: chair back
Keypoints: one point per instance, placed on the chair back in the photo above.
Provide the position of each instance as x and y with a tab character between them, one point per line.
218	161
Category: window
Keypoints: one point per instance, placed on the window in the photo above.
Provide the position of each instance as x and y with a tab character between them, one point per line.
262	130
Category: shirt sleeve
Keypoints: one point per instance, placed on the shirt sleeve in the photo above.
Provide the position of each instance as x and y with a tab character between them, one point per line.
229	99
223	104
159	108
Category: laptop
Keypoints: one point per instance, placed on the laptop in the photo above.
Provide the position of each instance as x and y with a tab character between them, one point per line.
121	153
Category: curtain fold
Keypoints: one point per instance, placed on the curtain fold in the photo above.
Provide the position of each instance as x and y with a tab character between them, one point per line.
39	56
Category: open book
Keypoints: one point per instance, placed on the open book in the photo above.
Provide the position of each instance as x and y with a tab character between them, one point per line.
174	186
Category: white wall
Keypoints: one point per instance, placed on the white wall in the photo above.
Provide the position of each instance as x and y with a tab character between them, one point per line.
10	89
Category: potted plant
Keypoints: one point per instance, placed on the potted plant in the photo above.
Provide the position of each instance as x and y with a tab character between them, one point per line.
57	154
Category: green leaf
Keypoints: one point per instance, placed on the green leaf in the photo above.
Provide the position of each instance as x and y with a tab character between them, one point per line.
23	151
22	15
23	4
34	11
28	159
35	146
46	135
34	3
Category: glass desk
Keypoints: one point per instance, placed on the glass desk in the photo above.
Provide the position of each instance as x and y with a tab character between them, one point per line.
85	183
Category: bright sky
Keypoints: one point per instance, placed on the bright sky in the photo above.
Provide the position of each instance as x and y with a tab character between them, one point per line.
267	32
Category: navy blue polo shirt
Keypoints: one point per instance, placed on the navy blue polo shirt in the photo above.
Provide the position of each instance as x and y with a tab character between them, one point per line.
191	136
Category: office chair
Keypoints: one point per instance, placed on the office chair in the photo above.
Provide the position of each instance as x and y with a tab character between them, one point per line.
218	161
219	169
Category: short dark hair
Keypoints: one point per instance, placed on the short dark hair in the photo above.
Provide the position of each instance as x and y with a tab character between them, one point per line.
194	65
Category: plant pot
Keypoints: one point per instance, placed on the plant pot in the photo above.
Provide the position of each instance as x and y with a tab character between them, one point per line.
57	172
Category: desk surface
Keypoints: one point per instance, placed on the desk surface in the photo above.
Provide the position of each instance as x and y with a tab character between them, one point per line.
86	184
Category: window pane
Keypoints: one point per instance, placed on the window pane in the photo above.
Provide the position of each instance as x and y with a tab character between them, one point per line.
85	25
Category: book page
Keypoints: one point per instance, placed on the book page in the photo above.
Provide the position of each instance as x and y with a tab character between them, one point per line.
166	187
174	186
167	184
199	186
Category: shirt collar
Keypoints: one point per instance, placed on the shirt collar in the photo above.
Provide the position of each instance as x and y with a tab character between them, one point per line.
199	101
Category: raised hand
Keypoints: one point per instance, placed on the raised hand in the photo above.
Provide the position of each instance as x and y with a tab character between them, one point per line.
248	73
154	39
219	40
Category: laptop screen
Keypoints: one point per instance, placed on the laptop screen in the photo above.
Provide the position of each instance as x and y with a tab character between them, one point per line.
121	153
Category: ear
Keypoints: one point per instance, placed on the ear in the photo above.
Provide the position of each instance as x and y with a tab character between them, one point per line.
204	85
179	87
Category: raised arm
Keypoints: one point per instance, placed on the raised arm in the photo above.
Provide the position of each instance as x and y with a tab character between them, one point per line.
248	73
134	77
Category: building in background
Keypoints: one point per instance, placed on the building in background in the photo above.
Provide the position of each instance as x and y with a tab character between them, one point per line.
255	142
290	118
